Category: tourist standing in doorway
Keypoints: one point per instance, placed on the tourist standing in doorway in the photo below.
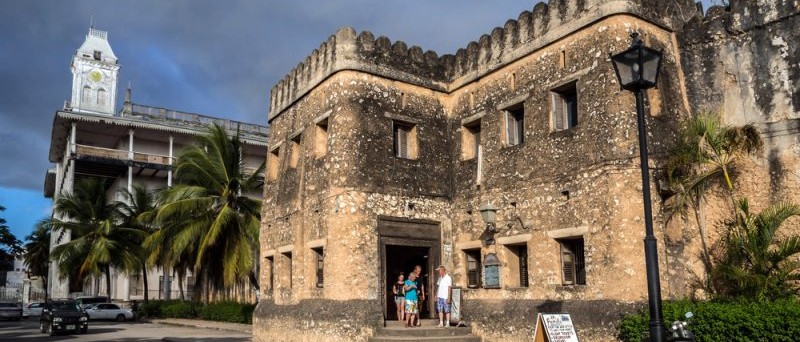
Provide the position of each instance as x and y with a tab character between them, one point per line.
421	290
399	296
411	299
443	294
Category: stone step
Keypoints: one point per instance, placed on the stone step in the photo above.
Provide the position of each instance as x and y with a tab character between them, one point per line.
468	338
396	331
423	331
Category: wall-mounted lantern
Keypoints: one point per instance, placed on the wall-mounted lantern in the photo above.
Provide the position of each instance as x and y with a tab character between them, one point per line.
489	216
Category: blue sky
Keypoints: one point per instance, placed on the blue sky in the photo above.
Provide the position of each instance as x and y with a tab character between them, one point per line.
212	57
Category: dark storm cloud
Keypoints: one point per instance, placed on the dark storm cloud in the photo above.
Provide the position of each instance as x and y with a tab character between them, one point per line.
213	57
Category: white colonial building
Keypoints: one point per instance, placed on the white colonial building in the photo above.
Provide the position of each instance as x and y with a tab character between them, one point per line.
135	145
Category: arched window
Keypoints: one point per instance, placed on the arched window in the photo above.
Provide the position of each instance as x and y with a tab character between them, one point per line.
101	97
86	95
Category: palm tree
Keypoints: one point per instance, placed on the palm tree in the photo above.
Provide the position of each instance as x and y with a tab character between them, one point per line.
98	242
706	154
757	263
133	211
9	245
208	218
37	251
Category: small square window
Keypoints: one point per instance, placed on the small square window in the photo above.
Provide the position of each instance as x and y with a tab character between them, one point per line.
405	139
319	259
471	140
565	107
294	153
321	138
273	163
97	55
473	268
573	264
514	118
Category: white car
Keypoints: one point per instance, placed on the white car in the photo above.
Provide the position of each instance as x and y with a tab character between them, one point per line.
32	309
109	311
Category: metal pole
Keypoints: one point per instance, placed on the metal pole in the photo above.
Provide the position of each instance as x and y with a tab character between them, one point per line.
657	331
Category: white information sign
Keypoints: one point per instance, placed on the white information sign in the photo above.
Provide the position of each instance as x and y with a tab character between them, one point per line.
555	328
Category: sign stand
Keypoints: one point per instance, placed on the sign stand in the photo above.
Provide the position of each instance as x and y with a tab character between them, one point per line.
554	328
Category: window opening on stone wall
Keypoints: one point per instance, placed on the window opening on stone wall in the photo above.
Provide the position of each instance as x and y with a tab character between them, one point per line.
573	264
470	139
321	138
517	261
514	118
319	259
97	55
86	95
565	107
294	151
405	139
473	257
562	60
270	266
161	293
190	286
136	285
286	281
101	97
273	163
491	272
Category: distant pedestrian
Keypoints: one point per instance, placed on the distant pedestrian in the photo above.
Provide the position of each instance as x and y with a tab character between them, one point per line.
399	296
421	290
444	293
411	299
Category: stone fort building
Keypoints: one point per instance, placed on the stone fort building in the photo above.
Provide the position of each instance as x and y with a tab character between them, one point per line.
380	156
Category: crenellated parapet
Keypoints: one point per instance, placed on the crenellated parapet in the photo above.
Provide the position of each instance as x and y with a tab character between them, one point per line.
738	17
532	30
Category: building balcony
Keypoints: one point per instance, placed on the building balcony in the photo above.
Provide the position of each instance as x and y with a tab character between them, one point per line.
135	158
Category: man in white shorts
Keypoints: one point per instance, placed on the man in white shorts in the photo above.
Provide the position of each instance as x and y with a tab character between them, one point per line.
443	295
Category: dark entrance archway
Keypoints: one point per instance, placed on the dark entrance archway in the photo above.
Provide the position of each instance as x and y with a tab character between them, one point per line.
403	244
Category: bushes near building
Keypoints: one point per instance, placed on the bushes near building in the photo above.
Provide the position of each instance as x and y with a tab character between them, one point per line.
724	321
222	311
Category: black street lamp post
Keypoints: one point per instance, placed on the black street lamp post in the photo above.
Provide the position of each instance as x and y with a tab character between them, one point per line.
637	70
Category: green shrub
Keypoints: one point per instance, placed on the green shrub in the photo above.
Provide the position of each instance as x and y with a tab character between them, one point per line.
724	321
228	312
151	309
223	311
179	309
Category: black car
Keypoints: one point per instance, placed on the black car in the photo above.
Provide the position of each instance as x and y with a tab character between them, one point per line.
63	316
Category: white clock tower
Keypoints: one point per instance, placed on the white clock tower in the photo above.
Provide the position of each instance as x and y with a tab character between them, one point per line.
94	75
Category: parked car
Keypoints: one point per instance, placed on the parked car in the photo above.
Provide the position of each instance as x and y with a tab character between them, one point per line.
63	316
109	311
11	310
33	309
87	301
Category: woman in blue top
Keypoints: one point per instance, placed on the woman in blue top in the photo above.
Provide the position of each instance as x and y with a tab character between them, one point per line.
411	298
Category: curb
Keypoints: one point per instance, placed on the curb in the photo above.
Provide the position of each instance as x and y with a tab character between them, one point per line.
242	330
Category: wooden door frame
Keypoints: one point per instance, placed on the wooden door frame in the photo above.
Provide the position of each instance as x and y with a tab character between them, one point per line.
412	233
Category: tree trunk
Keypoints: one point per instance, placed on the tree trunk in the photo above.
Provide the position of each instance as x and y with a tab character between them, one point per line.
108	282
180	284
701	225
144	278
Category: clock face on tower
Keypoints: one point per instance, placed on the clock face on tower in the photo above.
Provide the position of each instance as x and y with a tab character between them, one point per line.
95	76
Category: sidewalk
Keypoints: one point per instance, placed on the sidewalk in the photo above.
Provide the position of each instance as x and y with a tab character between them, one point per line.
197	323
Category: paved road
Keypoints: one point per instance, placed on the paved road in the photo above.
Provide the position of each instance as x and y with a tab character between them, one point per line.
28	331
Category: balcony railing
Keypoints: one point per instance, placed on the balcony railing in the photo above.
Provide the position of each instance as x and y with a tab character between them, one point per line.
110	153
